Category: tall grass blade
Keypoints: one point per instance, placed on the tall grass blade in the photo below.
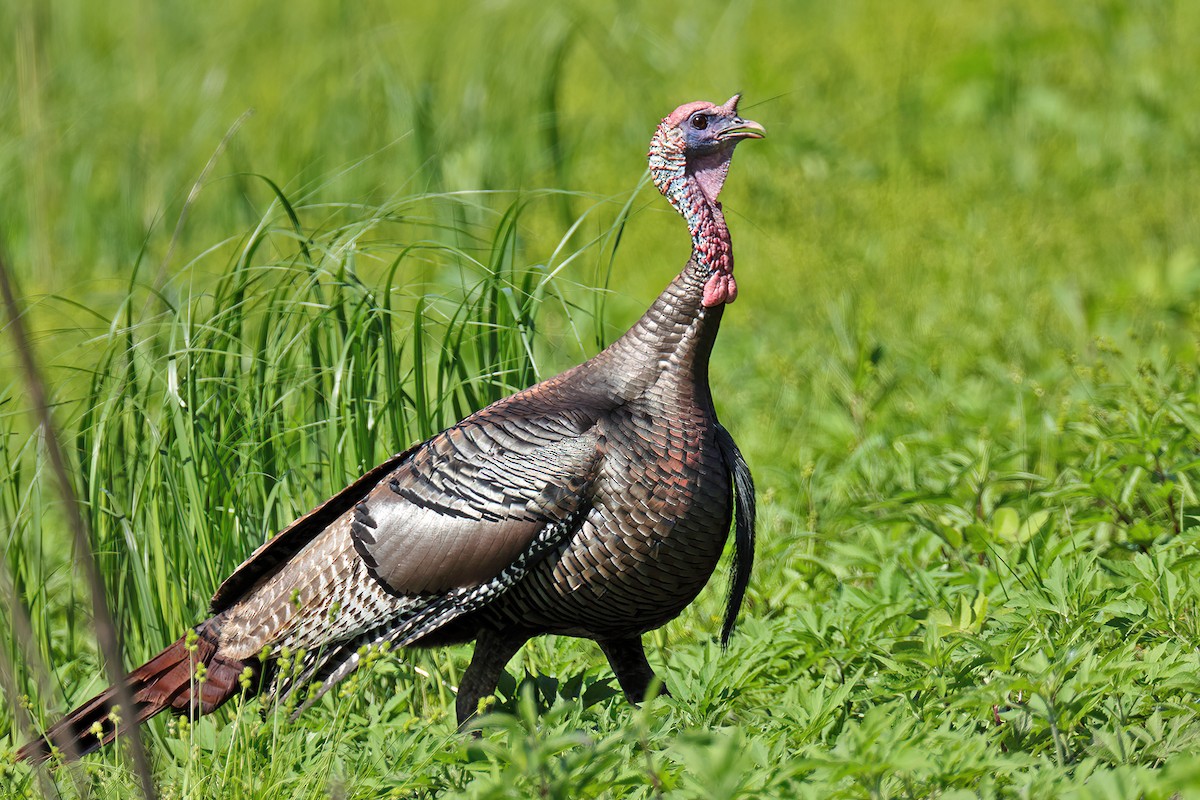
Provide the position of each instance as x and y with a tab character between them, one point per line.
106	631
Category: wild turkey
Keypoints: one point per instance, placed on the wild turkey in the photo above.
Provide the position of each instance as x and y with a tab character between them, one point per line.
594	504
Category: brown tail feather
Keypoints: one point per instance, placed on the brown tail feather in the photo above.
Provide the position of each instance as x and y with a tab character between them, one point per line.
167	681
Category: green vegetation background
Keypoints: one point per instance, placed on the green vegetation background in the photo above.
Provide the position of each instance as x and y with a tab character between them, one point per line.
963	366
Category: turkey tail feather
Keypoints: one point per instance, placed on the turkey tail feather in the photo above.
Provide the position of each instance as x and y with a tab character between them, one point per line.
170	680
743	531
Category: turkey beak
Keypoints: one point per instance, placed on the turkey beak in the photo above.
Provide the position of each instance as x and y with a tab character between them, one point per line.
739	129
735	128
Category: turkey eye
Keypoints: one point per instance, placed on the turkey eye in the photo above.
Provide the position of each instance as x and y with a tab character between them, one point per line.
699	122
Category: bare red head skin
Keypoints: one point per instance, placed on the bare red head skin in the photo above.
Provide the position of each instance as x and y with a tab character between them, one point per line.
689	160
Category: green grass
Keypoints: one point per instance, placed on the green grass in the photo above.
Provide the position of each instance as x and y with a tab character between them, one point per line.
963	367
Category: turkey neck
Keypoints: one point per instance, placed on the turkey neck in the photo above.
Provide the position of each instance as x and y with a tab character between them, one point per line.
674	338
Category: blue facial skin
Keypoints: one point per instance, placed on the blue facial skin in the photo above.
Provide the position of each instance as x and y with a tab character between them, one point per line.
708	130
701	132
